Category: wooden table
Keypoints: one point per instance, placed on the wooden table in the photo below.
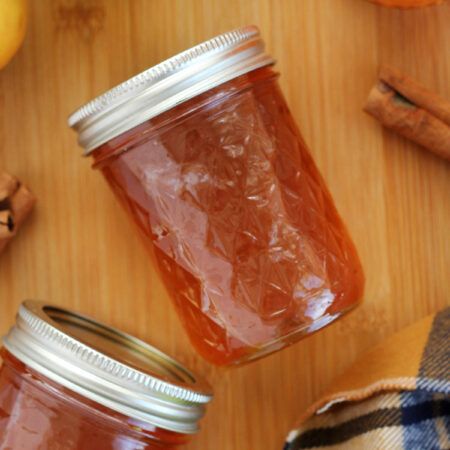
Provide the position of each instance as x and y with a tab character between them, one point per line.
79	249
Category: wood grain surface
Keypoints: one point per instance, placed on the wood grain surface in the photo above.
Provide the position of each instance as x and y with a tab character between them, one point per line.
79	249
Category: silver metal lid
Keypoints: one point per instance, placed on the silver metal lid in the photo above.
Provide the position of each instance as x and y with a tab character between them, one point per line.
167	84
107	366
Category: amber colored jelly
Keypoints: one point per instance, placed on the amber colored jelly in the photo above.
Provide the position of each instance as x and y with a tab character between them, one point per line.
238	219
38	414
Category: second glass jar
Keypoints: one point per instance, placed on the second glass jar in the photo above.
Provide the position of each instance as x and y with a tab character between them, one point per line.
235	213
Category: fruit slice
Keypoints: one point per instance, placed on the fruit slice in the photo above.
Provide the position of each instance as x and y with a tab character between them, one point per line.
13	21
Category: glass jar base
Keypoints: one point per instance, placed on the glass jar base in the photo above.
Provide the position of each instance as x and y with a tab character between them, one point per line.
291	338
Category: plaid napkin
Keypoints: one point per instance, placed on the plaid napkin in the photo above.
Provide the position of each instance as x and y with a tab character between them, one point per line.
397	396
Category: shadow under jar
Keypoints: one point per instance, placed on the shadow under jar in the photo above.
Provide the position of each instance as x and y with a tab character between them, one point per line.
68	382
204	154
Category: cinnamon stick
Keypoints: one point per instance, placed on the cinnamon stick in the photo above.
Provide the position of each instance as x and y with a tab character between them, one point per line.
410	109
8	185
16	203
416	93
6	225
22	202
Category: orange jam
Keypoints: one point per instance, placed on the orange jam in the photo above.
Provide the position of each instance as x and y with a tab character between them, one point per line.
237	218
69	382
39	414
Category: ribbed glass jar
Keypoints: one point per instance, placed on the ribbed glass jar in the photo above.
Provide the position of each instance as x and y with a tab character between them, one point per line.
228	199
58	390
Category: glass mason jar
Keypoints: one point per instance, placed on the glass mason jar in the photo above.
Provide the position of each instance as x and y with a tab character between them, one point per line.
68	382
204	154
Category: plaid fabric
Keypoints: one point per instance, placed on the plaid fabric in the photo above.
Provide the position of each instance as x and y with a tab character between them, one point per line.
403	403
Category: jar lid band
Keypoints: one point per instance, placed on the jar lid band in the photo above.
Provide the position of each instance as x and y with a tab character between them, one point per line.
105	365
168	84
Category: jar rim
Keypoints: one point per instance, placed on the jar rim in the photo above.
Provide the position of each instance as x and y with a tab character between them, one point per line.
168	84
108	366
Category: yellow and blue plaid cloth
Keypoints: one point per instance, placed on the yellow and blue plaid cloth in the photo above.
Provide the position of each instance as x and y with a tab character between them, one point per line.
397	396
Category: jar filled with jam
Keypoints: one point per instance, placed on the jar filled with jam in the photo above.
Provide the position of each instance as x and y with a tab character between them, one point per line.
204	154
68	382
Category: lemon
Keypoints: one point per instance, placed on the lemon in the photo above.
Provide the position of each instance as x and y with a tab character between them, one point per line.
13	22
